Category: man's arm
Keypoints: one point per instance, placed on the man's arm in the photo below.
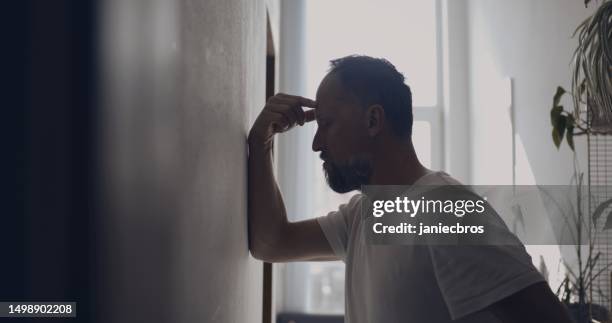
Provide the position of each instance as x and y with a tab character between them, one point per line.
272	237
536	303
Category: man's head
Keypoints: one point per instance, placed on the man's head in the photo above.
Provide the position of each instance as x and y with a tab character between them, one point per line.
361	103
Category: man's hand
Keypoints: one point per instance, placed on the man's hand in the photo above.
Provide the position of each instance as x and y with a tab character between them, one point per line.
281	113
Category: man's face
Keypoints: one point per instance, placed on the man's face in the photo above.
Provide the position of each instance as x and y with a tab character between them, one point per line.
341	137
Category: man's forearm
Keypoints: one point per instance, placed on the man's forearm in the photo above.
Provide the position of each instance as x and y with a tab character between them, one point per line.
266	210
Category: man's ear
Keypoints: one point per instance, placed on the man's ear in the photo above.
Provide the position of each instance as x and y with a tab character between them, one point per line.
375	119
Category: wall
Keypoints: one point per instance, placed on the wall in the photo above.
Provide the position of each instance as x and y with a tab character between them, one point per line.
180	79
528	41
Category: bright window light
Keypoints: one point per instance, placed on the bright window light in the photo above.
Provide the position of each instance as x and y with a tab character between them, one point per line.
421	139
402	31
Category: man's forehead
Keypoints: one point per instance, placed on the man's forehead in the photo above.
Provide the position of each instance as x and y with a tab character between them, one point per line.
326	105
329	86
331	93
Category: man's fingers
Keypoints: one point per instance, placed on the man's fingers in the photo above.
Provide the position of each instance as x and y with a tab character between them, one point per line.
282	100
279	122
293	103
285	111
305	102
308	103
281	113
301	118
309	115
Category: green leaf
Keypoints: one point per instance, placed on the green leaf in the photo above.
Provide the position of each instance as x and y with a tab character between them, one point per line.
561	125
559	130
570	131
555	113
600	208
558	95
556	138
581	26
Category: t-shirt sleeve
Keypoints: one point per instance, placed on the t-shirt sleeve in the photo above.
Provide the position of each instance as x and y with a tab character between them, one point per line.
473	277
337	226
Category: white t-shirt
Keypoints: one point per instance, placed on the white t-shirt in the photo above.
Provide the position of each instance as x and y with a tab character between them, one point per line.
418	283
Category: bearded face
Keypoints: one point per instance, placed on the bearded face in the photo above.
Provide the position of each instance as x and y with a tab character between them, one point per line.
347	176
342	137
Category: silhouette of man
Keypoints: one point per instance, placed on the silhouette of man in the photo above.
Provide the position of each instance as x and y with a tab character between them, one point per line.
363	110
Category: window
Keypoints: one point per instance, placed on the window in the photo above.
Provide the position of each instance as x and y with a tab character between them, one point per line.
404	32
421	132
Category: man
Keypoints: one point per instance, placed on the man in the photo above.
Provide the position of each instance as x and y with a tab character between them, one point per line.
363	111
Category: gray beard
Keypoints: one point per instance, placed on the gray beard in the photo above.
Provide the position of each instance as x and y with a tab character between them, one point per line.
350	176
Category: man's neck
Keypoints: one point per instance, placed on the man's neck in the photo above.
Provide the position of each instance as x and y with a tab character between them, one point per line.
402	167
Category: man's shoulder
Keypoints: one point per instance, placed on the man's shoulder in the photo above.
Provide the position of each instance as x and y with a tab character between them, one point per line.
351	209
350	206
354	204
432	183
438	178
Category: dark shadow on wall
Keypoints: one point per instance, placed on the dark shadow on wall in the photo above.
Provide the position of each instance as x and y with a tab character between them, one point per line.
267	309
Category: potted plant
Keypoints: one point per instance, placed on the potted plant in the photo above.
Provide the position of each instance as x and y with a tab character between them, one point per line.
591	93
591	88
576	289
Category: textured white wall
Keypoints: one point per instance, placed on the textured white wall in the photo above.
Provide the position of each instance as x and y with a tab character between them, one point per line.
179	79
